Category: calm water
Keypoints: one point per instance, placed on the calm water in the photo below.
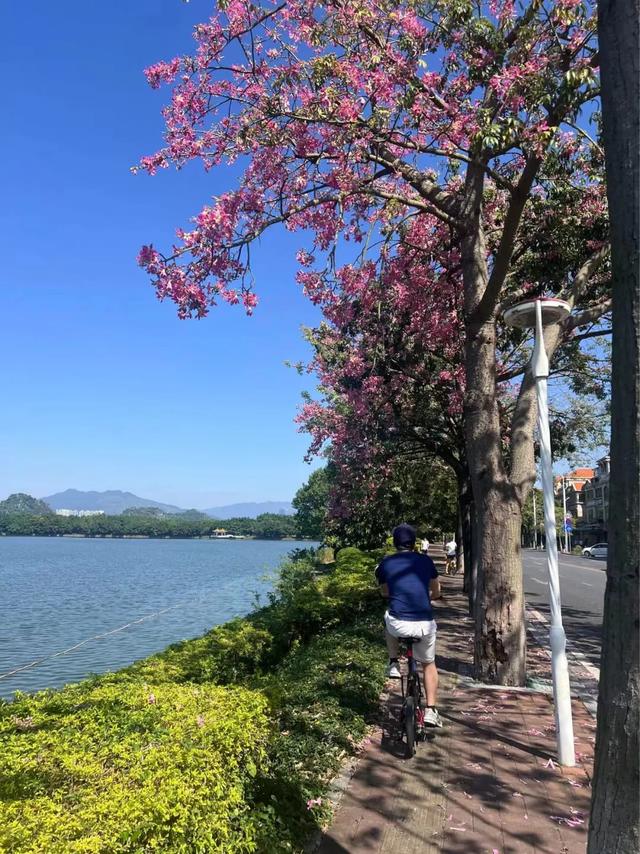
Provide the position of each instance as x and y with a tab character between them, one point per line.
56	593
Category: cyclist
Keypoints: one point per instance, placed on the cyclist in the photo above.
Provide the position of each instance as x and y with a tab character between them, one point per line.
451	549
410	581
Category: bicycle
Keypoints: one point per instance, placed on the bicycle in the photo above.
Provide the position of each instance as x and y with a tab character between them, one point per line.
450	567
411	713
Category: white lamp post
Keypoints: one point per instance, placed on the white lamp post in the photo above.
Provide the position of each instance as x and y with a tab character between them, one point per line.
537	314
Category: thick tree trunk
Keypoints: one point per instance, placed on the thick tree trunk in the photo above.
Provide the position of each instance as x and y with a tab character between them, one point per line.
475	562
614	824
500	650
500	642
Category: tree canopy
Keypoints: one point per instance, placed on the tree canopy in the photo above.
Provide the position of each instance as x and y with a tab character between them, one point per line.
443	151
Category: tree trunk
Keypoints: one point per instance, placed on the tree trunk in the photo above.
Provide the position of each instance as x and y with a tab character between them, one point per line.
465	502
614	822
500	642
460	542
500	650
475	561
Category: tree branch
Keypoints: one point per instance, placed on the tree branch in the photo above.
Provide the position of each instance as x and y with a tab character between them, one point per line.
504	252
589	315
595	333
426	188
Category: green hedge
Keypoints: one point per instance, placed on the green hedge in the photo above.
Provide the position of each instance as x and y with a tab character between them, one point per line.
215	745
119	766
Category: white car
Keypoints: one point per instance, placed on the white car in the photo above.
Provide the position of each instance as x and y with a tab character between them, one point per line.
599	550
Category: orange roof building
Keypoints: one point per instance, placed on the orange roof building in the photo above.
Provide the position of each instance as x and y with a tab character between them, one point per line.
574	482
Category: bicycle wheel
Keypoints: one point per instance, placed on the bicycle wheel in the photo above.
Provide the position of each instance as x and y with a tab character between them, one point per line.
410	725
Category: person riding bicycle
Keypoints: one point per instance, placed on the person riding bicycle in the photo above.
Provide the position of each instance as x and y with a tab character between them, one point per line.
410	581
451	549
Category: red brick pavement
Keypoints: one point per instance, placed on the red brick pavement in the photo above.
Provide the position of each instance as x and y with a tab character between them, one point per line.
487	783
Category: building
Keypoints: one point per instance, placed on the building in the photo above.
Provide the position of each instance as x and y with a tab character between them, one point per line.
64	512
574	485
596	497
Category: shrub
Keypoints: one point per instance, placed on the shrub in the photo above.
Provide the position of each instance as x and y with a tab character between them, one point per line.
118	766
324	695
226	654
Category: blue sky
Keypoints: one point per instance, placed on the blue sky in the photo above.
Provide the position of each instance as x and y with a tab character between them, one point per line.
103	387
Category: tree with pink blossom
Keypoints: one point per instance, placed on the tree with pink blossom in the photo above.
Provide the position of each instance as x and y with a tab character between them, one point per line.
392	378
358	119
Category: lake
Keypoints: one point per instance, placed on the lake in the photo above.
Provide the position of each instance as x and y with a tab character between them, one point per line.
102	604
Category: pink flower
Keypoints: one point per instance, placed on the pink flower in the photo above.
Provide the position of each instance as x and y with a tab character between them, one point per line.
162	72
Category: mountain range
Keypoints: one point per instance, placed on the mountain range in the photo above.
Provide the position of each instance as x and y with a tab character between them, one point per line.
250	509
115	501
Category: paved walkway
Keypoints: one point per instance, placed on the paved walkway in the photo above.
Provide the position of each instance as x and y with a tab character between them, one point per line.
486	784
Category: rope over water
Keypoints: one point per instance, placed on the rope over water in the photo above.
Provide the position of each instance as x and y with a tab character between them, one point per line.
44	658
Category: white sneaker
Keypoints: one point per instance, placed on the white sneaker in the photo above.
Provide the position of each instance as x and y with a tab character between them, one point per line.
393	671
432	718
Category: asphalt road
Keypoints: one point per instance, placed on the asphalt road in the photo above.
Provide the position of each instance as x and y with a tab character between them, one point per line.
582	583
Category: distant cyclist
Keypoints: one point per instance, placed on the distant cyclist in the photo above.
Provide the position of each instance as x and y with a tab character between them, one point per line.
410	581
450	549
424	546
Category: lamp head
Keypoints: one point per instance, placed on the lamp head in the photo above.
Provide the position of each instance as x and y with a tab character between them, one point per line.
523	314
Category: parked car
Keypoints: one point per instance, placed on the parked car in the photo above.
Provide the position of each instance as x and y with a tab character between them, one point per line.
598	550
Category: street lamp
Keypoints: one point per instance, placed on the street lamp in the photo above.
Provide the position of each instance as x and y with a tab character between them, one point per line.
536	314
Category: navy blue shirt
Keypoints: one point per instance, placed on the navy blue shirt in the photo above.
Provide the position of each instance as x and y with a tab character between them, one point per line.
407	575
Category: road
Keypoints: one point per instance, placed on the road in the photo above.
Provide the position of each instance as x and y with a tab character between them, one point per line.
582	583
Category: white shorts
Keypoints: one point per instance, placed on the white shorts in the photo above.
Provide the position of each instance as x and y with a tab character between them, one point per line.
425	650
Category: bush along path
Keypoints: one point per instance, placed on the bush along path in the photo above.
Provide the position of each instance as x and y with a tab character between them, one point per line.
488	783
226	743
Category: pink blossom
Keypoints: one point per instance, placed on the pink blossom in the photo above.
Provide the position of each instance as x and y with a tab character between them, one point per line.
162	72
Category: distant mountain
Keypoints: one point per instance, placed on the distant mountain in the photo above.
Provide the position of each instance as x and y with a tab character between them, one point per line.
113	501
250	509
20	502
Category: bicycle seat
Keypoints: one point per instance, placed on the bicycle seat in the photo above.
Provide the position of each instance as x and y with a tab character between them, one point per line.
409	639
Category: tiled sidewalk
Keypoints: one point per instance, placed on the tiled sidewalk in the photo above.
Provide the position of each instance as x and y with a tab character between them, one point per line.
486	784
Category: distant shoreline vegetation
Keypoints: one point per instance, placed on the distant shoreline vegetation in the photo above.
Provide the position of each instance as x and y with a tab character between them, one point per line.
268	526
